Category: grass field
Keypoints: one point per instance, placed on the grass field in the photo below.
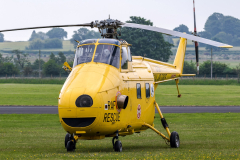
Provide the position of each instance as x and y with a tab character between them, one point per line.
166	95
202	136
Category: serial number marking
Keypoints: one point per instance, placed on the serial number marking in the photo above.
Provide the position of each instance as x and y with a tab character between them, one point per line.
159	77
111	117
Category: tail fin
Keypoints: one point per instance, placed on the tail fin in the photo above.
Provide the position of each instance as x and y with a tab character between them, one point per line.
179	59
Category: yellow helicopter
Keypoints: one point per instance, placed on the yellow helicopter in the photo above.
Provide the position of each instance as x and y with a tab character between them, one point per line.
109	92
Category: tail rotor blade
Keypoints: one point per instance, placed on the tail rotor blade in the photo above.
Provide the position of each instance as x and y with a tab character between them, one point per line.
195	33
197	59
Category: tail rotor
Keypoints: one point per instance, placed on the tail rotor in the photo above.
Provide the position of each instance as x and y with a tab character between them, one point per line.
195	34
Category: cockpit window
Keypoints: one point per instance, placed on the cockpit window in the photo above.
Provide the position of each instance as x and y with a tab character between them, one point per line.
111	41
83	54
124	63
108	54
129	55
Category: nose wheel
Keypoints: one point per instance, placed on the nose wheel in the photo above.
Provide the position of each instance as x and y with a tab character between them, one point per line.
117	146
70	142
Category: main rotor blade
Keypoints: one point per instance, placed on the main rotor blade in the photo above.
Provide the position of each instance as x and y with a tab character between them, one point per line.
73	25
178	34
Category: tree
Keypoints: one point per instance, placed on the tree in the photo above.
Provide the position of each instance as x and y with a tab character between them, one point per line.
214	23
53	57
39	35
36	44
27	70
182	28
189	68
53	43
51	68
61	58
8	68
231	25
21	58
218	68
35	64
146	43
39	44
1	37
57	33
6	59
224	37
82	34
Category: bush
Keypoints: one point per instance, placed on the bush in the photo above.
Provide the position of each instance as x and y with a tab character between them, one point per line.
8	68
51	68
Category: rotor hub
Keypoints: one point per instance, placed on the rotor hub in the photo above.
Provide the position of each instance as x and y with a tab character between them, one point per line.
108	27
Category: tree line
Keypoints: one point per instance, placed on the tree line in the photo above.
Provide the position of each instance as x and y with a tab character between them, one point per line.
18	64
225	29
218	68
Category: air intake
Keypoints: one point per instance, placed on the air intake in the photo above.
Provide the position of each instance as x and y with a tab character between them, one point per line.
79	122
84	101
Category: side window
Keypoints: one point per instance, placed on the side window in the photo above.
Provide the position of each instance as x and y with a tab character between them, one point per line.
147	87
124	63
129	55
139	96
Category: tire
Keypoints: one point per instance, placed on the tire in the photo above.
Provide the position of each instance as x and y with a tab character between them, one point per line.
67	138
70	146
174	140
118	146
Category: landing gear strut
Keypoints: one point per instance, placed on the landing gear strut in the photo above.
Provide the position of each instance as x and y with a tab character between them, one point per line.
117	146
173	137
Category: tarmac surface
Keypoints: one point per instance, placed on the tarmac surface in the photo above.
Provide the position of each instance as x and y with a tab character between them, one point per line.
164	109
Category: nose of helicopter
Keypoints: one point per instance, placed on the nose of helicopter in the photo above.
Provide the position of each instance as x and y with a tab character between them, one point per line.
80	96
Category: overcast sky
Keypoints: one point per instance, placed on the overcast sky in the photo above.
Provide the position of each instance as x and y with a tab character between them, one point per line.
163	13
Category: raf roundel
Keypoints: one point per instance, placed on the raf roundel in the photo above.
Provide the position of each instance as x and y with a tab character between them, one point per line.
139	111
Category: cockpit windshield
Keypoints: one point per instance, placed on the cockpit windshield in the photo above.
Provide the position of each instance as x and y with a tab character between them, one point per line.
105	53
108	54
83	54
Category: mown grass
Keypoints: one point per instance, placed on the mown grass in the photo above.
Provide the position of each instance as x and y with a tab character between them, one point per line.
29	94
198	95
33	80
202	136
190	81
166	95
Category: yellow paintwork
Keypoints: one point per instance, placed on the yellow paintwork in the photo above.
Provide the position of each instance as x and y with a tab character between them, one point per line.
104	82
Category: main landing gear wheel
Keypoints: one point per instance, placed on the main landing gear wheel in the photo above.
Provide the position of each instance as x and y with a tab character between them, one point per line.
70	145
174	140
118	146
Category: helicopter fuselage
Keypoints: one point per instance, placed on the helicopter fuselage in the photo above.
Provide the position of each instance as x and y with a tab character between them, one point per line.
103	83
